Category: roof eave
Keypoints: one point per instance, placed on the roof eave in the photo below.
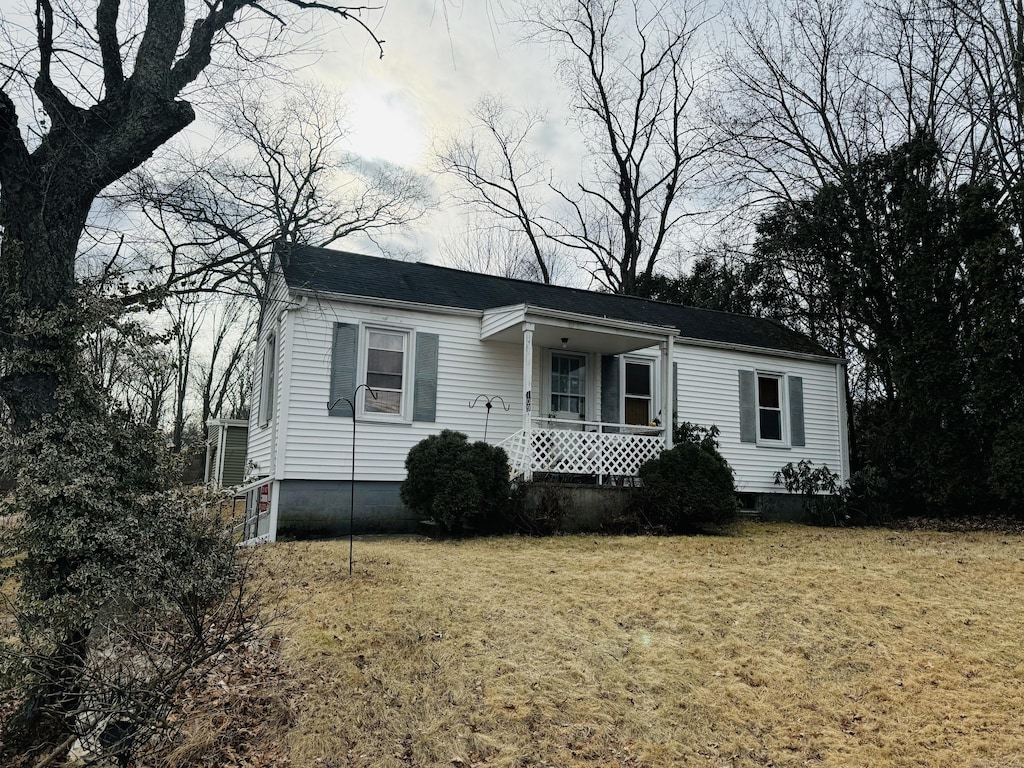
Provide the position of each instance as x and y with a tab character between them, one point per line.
752	349
353	298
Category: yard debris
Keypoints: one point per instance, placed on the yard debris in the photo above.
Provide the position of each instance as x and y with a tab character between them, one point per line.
235	716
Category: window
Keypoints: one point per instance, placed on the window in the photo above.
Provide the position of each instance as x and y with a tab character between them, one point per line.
385	371
400	368
638	392
568	384
268	378
769	407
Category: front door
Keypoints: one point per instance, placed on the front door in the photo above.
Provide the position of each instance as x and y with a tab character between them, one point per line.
568	386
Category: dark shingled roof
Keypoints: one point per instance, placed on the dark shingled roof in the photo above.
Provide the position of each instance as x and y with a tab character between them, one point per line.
323	269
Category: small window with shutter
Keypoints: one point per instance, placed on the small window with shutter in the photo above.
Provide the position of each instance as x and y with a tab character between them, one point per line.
771	408
399	369
268	378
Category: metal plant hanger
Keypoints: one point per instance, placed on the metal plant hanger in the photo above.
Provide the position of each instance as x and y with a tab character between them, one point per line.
489	403
352	484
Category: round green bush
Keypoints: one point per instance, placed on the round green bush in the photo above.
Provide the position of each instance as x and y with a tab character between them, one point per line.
688	487
459	486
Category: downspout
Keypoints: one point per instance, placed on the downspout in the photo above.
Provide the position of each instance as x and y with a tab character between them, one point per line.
667	391
844	428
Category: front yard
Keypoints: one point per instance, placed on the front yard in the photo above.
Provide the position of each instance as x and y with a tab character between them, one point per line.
778	645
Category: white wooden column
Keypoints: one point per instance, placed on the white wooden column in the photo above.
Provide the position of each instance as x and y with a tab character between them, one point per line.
667	389
528	329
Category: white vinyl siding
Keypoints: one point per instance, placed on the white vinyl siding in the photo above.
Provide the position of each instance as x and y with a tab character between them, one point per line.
261	441
318	445
707	394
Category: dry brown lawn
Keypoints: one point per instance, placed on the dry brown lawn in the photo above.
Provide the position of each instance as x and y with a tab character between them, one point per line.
777	645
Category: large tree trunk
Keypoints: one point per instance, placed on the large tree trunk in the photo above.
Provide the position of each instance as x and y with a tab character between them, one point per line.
39	322
45	199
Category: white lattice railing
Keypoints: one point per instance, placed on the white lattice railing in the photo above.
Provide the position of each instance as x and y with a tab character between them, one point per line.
582	448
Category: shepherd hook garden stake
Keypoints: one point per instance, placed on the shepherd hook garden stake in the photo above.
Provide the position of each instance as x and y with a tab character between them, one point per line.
352	482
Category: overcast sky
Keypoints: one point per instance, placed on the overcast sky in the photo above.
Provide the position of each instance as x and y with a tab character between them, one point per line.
440	57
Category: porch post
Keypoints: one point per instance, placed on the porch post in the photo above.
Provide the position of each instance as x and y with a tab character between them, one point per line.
667	389
528	329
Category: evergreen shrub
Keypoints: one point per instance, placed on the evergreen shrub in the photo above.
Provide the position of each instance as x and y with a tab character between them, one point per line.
460	487
689	486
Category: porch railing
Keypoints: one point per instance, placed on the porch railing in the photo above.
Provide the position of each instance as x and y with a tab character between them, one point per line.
567	446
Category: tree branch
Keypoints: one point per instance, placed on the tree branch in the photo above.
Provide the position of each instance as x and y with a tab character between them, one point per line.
110	49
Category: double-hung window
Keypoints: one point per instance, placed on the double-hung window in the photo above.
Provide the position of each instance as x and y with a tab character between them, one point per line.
385	371
638	392
568	385
769	408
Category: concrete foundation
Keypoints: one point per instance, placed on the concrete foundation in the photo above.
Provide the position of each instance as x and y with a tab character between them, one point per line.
321	508
582	508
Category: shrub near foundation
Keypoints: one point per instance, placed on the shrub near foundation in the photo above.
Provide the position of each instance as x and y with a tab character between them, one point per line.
690	486
460	487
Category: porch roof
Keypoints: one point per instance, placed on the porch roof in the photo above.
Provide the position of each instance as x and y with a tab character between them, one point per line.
585	333
338	272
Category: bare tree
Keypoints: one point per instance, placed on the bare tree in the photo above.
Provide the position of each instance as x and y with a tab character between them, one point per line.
482	246
991	33
631	69
131	363
110	79
501	177
151	381
277	172
218	374
813	87
187	316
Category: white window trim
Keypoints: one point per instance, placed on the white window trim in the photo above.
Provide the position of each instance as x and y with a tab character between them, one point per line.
656	399
404	416
783	383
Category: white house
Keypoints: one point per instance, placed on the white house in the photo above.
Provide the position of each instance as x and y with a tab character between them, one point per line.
591	381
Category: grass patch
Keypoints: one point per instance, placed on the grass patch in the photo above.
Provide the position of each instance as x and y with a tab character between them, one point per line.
780	645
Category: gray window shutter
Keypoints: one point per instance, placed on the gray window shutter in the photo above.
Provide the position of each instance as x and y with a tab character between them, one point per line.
425	387
268	379
675	394
796	411
748	408
343	368
610	389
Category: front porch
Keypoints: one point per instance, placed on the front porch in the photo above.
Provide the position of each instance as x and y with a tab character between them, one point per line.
597	392
609	453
